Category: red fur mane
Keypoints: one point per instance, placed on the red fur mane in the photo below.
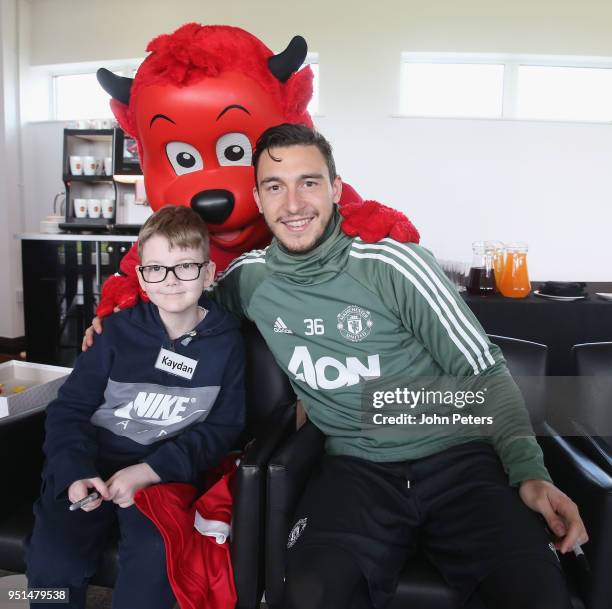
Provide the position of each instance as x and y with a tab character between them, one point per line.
197	51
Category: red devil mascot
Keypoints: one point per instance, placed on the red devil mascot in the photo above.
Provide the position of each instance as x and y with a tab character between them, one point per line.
196	107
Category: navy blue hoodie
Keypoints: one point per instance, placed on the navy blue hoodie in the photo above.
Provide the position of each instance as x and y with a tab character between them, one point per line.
118	408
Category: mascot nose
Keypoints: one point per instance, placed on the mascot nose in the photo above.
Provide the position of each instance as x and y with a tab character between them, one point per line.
214	206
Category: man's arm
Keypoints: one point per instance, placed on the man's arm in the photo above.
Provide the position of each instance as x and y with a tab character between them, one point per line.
433	310
430	307
232	290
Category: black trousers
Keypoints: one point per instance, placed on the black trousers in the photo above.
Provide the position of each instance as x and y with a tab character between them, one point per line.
359	521
66	546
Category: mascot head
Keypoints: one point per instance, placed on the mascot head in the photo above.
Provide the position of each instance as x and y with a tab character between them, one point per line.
196	107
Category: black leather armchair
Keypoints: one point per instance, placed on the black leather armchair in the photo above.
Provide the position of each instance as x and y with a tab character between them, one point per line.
270	419
420	585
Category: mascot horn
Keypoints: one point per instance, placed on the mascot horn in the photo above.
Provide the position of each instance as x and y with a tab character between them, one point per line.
196	107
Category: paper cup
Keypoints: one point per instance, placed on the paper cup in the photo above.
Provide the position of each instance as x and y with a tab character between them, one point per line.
89	165
93	208
108	207
80	208
108	165
76	165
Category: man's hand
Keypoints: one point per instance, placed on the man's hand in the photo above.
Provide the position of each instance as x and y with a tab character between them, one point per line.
122	485
80	489
88	337
559	511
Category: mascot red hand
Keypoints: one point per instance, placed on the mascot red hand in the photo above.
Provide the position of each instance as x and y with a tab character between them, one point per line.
196	107
373	221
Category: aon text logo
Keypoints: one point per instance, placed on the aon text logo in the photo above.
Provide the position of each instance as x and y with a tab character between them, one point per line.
329	373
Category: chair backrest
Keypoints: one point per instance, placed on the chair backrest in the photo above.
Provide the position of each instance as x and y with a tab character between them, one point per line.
268	390
593	359
593	366
527	362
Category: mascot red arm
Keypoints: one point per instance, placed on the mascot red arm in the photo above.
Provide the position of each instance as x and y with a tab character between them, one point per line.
196	107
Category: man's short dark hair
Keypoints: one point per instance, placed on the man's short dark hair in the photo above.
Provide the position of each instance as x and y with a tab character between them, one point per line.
287	134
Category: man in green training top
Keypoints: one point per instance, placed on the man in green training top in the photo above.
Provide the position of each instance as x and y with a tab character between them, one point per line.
354	325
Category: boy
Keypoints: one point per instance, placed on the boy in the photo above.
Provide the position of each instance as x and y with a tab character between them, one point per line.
160	398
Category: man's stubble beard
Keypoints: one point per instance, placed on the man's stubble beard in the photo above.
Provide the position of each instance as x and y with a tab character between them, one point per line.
307	249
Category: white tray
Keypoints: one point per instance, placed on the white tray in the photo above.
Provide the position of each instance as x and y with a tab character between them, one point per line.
42	380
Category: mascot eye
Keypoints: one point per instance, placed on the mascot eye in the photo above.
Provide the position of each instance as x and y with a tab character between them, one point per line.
234	149
184	158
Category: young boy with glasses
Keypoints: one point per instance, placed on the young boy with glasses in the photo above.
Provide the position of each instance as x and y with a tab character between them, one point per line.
159	398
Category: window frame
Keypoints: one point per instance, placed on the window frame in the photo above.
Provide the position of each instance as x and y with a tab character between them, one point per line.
511	63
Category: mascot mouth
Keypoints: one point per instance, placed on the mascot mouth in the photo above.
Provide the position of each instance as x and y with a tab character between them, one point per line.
228	239
227	236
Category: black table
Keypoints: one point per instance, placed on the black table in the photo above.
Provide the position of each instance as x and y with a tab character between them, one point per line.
560	325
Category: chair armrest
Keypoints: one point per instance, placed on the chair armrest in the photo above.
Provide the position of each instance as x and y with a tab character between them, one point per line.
590	488
21	459
247	548
597	448
288	473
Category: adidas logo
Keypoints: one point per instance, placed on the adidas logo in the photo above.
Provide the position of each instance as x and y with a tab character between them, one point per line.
280	326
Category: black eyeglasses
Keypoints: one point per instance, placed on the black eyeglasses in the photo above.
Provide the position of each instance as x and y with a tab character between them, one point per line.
186	271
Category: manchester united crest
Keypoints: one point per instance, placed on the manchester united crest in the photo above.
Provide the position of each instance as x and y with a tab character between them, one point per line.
354	323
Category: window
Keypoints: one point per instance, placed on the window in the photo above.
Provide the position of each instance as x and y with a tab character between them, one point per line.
79	96
506	86
76	93
453	89
313	106
565	94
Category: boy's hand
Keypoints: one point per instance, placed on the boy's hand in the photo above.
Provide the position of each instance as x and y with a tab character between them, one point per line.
80	489
122	485
88	338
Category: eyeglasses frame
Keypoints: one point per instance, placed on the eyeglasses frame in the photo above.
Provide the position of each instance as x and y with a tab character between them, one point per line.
172	268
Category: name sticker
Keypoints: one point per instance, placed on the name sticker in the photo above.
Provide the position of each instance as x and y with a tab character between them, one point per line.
176	364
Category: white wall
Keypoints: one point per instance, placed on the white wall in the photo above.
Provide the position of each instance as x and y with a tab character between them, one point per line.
548	184
11	202
459	180
73	30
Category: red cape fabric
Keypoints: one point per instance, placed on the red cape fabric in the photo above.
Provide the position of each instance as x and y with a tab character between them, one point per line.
199	569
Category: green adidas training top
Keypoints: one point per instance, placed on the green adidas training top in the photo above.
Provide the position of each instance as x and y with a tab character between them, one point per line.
350	321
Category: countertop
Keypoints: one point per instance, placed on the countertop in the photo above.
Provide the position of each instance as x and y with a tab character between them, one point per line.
76	237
